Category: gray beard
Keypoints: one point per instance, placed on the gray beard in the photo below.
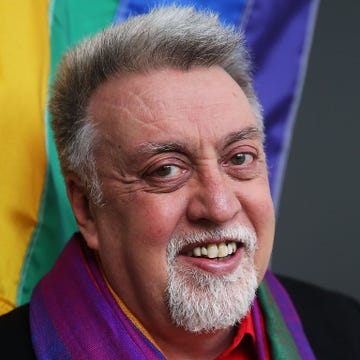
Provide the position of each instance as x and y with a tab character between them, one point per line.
201	302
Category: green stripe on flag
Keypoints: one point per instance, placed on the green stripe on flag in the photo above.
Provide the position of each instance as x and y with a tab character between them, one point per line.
70	21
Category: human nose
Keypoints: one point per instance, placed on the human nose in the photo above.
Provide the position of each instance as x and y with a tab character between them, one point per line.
213	200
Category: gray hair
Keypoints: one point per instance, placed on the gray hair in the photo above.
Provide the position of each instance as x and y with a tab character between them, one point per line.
169	37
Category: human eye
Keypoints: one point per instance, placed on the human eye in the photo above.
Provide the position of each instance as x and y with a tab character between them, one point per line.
167	174
167	171
242	158
242	163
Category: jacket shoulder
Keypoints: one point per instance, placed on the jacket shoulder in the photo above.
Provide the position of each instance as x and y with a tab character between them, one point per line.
331	320
15	337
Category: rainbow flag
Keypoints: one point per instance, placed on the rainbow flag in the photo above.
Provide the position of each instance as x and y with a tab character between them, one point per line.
35	216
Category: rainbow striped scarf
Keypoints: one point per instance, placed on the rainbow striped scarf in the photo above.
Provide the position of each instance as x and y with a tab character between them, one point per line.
73	315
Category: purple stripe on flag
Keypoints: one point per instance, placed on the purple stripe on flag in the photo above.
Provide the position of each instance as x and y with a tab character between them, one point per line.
278	36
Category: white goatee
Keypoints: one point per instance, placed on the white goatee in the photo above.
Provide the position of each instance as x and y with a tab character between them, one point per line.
199	301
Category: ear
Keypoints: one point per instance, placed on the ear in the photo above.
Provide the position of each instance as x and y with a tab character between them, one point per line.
82	209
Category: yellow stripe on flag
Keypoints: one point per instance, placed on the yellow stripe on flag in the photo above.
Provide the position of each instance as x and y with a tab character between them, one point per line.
24	67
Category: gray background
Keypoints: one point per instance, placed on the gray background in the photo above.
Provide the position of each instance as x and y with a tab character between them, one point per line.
318	229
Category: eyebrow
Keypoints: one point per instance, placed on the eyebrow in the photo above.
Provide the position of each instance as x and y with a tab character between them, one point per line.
153	148
247	133
158	148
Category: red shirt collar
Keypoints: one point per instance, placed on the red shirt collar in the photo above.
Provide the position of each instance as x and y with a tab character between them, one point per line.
243	346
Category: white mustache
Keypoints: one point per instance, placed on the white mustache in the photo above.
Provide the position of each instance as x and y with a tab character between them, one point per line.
241	234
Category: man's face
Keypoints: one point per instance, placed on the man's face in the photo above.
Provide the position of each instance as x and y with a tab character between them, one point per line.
179	156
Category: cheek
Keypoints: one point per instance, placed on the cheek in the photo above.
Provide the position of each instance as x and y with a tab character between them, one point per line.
154	217
263	254
265	242
261	213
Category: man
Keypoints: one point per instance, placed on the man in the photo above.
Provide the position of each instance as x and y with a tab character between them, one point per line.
160	138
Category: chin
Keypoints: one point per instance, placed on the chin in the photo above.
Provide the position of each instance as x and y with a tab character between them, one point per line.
201	302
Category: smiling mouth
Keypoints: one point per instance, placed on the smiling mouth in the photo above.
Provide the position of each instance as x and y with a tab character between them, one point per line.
214	250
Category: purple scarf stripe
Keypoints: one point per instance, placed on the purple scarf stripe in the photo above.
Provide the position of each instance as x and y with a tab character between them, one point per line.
101	331
136	336
260	340
290	316
43	332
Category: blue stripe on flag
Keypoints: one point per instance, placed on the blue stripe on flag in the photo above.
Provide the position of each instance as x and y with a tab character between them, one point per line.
230	12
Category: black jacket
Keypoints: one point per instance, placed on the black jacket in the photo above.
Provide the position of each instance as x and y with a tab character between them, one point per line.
331	322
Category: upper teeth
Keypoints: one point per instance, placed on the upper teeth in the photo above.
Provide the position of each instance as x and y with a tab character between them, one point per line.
213	251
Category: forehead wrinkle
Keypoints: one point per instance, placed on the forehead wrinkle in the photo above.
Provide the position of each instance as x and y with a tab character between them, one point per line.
134	104
137	109
142	117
